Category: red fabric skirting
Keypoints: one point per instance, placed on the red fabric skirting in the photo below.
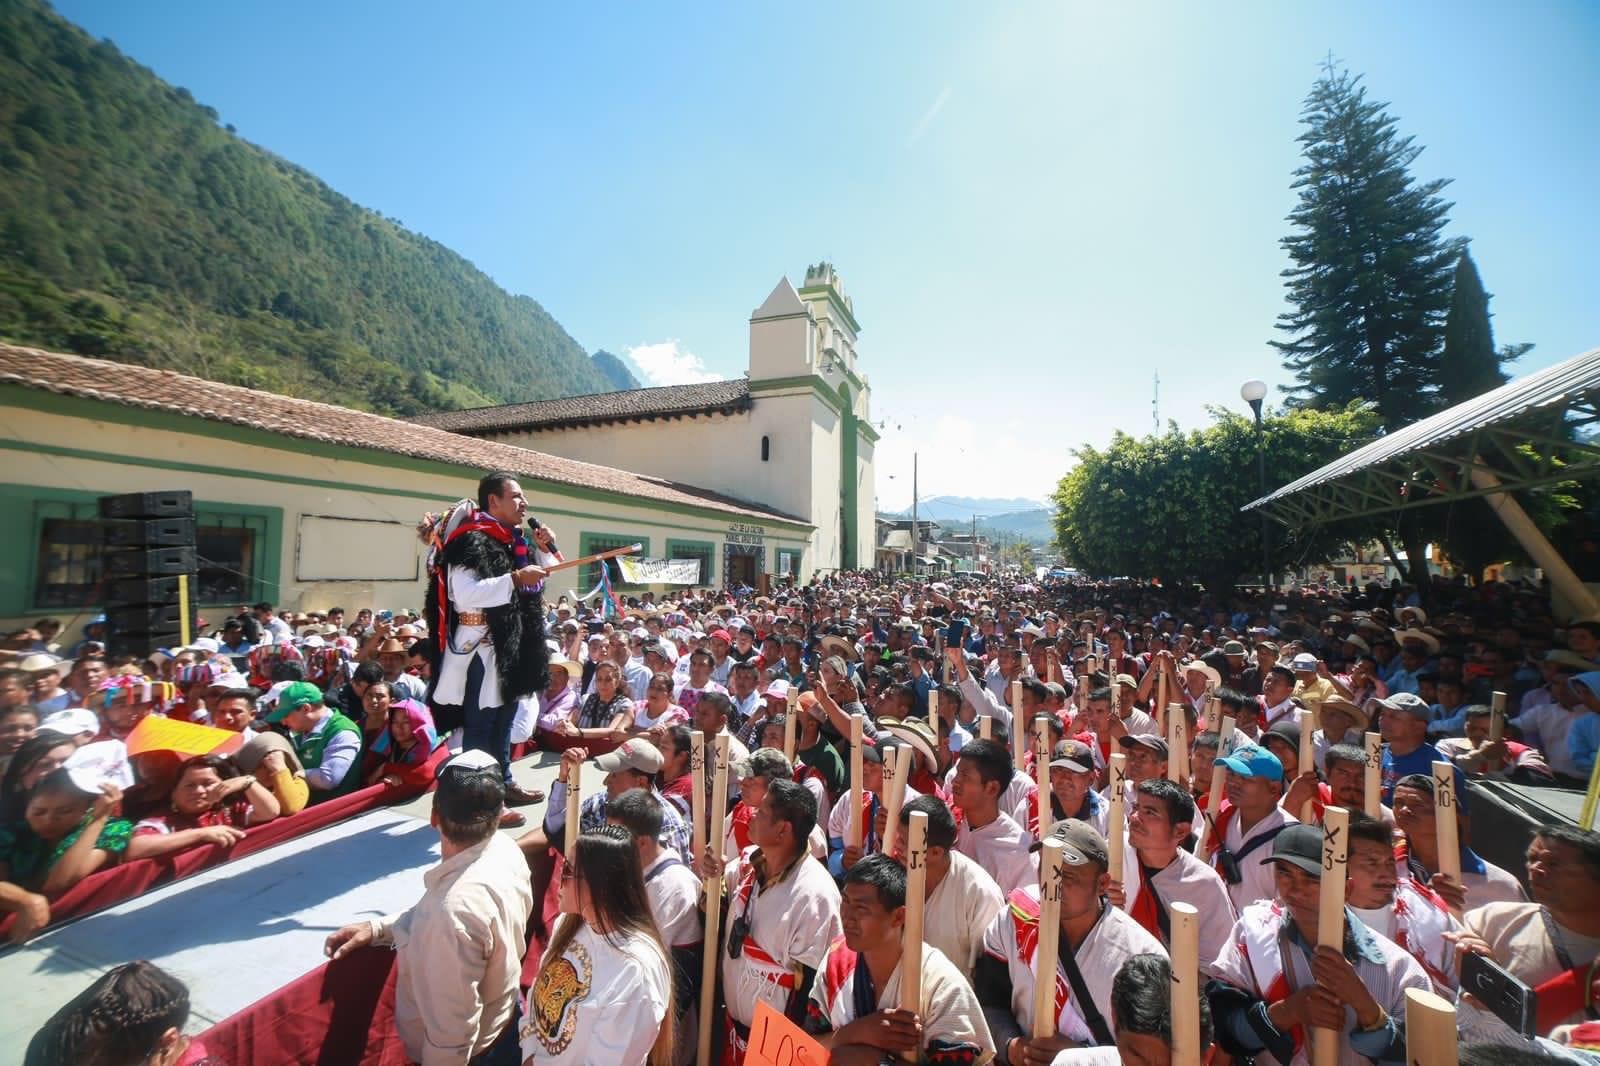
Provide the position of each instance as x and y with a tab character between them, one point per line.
340	1014
107	888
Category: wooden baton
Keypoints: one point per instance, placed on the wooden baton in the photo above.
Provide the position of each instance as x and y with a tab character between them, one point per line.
1431	1033
1177	746
985	727
1041	773
791	725
856	830
1372	783
1044	955
896	769
1308	760
697	802
1330	913
574	808
916	890
1185	984
1019	732
1444	813
713	893
1497	716
1116	835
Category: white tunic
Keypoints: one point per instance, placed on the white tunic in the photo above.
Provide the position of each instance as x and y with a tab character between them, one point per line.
1192	881
469	592
1001	848
949	1008
598	1004
674	894
790	923
958	911
1259	880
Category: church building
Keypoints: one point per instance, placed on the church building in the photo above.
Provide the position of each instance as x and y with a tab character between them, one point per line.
792	436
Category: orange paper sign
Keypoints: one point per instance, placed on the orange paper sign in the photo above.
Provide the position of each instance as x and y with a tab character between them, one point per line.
186	738
776	1041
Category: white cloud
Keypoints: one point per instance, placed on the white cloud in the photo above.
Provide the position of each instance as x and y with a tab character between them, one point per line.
928	116
666	363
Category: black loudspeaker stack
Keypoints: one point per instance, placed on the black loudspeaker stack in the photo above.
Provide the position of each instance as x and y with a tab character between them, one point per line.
149	542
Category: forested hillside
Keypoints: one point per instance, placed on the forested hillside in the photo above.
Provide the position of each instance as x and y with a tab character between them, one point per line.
134	226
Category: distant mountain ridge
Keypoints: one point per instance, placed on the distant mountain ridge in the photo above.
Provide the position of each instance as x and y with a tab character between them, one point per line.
134	226
963	508
615	371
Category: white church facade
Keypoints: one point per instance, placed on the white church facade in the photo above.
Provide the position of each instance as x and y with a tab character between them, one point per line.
794	436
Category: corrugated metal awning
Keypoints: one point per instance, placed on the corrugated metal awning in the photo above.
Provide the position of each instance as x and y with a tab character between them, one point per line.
1529	433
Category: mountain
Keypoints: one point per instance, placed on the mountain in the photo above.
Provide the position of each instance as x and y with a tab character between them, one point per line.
963	508
1036	526
134	226
614	370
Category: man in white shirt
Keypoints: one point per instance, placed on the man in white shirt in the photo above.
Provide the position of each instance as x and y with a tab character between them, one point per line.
1095	940
1158	872
460	947
271	624
985	833
962	899
1240	842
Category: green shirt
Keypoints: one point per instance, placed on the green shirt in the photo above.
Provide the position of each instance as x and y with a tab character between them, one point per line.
30	858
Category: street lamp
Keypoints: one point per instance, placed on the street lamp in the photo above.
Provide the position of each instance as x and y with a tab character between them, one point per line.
1253	392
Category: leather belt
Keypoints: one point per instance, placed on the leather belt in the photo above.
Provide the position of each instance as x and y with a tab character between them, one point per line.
472	618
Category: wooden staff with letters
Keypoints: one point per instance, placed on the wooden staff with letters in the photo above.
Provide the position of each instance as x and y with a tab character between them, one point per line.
697	802
1330	913
1177	745
1019	731
916	890
1444	813
1045	955
1219	779
856	832
713	893
1308	761
791	725
574	809
1116	835
1372	783
1041	773
896	768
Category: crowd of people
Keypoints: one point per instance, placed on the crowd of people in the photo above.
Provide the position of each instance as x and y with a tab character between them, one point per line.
812	921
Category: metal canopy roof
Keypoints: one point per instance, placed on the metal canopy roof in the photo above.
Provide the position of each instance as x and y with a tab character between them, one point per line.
1519	433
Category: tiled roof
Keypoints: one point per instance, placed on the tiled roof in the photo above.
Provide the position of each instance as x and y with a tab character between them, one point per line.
164	390
665	401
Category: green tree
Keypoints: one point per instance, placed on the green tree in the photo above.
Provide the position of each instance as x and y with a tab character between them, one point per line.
1470	364
1168	506
1370	281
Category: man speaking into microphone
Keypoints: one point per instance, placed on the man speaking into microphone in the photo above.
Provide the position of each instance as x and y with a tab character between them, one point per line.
488	647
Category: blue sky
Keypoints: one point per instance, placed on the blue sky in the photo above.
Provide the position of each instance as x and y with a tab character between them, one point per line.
1035	207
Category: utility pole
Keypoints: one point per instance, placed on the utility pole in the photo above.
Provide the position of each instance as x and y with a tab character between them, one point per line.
914	550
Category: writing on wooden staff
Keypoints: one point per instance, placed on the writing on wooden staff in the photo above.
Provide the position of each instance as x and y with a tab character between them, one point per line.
916	890
718	751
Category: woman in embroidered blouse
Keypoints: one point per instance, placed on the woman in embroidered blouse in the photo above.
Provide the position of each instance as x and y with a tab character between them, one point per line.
605	715
212	803
657	711
66	835
604	990
408	741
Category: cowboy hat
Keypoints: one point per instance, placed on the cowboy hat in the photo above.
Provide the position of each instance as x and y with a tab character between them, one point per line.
1420	636
915	732
837	645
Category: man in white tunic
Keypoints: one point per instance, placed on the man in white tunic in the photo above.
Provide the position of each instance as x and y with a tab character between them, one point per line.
984	833
962	899
783	912
1094	938
1272	987
1239	845
855	1009
1158	872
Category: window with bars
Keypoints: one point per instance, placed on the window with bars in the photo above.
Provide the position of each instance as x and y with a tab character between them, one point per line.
703	550
71	554
590	543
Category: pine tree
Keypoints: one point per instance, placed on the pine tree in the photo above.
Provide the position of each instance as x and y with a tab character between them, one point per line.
1470	364
1370	285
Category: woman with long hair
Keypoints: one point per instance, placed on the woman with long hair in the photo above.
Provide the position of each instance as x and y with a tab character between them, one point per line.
604	990
375	702
132	1016
602	722
38	755
408	742
66	834
212	803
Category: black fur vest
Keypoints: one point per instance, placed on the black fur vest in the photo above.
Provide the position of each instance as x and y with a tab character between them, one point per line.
517	628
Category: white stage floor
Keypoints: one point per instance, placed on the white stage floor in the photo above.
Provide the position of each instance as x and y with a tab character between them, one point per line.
237	932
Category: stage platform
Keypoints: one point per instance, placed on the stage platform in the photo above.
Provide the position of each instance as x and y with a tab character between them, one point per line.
239	931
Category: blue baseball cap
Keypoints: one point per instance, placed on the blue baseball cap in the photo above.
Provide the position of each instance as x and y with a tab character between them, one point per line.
1253	761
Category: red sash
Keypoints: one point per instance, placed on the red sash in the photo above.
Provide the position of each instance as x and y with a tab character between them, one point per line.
1146	910
1564	995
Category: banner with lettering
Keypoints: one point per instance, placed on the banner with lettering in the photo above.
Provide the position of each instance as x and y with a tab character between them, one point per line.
637	571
